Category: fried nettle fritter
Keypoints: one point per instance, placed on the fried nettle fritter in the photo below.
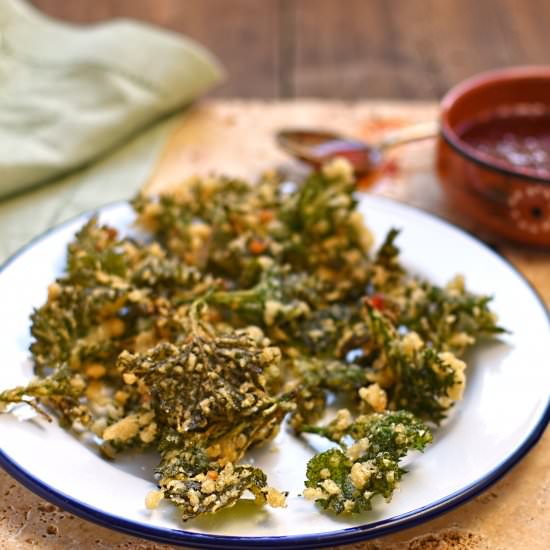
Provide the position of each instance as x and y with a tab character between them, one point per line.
210	404
244	305
346	479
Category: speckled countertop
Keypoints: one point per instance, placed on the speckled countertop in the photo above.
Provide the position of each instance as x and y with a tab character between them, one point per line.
236	137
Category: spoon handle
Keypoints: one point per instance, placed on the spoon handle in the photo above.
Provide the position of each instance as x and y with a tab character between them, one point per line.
415	132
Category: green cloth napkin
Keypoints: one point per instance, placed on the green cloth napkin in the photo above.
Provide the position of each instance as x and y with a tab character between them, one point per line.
115	177
84	109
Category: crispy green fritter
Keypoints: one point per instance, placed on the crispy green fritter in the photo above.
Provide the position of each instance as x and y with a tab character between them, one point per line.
112	291
197	482
210	383
393	432
330	481
210	396
202	494
61	391
448	318
422	380
346	479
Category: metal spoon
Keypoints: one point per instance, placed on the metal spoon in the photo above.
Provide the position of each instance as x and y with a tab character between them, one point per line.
317	146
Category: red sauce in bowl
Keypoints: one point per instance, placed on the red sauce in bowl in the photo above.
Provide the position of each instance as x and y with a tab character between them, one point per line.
518	138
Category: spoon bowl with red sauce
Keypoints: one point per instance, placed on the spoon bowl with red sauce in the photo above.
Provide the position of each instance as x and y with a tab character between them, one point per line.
315	147
493	152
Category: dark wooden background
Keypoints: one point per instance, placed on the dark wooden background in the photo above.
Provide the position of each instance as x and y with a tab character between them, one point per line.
408	49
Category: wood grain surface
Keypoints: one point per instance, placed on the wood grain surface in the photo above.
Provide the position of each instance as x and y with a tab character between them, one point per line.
406	49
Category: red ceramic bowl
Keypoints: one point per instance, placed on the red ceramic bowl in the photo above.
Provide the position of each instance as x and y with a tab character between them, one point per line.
509	201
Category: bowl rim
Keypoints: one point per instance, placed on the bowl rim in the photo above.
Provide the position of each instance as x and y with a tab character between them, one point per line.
478	82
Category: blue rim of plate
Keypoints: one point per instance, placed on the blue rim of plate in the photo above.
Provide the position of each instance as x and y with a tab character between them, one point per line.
342	536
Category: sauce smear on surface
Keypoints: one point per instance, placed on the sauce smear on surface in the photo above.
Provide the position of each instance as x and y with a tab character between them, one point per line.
520	139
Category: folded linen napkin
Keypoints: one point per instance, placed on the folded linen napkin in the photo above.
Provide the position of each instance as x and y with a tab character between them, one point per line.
70	94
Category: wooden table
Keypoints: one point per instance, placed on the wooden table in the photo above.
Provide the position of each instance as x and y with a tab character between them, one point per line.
236	137
403	49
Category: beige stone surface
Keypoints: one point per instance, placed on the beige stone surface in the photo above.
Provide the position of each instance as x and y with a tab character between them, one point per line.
235	137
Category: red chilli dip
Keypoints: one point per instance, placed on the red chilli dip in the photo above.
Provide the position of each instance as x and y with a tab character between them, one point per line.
516	137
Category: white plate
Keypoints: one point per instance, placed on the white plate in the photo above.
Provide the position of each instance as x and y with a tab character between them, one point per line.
504	412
